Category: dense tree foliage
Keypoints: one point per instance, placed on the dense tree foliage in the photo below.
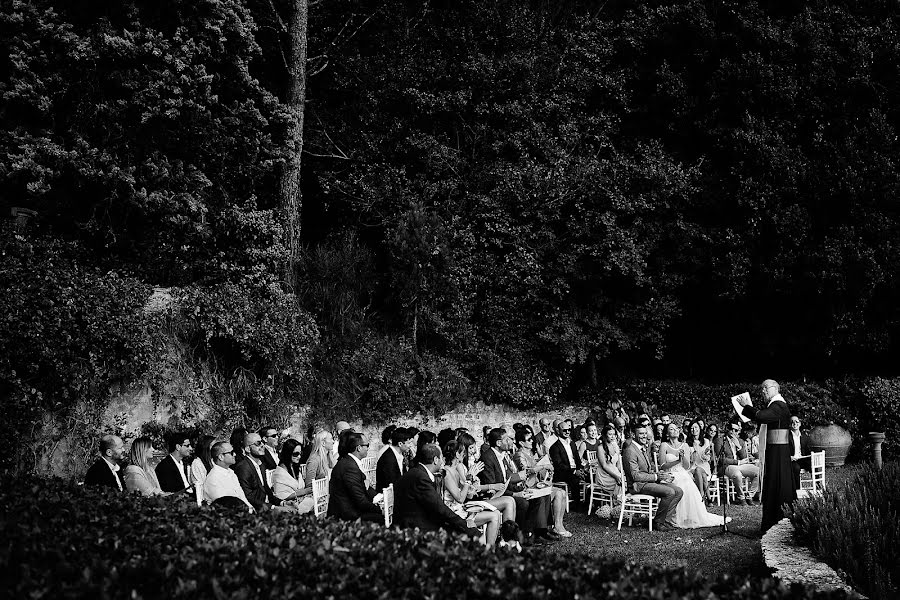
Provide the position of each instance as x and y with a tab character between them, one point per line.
507	201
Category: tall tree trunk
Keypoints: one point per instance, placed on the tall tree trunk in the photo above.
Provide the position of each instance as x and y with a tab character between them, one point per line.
289	184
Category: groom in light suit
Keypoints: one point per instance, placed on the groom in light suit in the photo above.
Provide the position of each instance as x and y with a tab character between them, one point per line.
644	479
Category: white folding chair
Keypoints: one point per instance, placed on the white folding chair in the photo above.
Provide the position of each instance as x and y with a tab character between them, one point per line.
730	491
303	472
637	504
713	492
816	483
369	464
388	506
320	496
564	487
593	491
198	492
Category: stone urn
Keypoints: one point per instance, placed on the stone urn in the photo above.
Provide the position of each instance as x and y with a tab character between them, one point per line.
834	440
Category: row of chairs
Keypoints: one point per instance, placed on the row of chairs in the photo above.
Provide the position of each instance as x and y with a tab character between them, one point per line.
632	505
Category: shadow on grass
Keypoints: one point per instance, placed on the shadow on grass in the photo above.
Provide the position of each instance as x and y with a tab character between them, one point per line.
707	551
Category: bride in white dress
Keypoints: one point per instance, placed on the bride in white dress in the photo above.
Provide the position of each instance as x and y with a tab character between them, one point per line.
691	512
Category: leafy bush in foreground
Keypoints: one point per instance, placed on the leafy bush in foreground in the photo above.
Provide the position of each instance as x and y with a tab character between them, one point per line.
854	528
61	541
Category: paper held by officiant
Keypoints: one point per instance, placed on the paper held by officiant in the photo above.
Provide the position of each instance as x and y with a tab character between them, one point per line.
735	402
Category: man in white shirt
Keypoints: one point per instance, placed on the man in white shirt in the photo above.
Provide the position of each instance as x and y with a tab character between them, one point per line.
221	480
269	457
251	474
338	428
538	449
172	471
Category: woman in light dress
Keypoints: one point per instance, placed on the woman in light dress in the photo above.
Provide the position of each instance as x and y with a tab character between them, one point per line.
608	476
701	454
140	475
287	481
674	457
458	490
525	461
320	461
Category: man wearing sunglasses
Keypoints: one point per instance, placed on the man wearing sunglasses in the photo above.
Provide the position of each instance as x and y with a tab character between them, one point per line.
172	471
349	497
221	482
567	466
736	464
251	473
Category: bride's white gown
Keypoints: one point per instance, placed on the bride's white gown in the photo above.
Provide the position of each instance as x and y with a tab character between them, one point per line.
690	513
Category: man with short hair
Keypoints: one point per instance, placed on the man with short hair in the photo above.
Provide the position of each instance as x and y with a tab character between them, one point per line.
339	428
736	464
269	437
643	478
221	481
391	466
173	470
619	424
417	502
106	470
348	496
666	419
538	447
800	455
533	515
566	461
251	475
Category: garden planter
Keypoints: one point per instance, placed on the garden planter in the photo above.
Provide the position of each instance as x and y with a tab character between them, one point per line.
877	438
834	440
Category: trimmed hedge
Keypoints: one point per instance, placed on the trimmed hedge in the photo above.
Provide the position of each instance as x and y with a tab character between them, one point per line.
854	528
62	541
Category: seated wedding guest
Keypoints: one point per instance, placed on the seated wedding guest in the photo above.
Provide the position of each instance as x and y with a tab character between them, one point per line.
524	460
619	424
532	515
591	443
417	502
566	462
237	443
658	435
643	478
287	481
457	490
608	475
386	438
269	458
469	467
425	437
391	466
701	455
736	465
172	471
105	470
751	440
139	476
349	496
221	482
202	463
339	428
319	465
800	454
485	431
460	481
579	438
544	426
251	473
446	435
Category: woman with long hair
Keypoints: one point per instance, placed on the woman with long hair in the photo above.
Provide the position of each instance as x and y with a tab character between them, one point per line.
321	460
287	480
458	489
140	475
674	457
469	466
525	461
701	454
237	443
609	473
202	464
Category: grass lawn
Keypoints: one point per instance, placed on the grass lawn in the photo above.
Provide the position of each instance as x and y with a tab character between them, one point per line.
707	551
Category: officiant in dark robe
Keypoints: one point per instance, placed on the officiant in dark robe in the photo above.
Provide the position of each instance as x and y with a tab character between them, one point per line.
776	476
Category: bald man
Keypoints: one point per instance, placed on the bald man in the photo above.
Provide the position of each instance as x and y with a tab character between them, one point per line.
776	475
105	471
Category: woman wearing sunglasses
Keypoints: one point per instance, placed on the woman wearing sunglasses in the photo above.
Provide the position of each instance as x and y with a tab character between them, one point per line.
287	481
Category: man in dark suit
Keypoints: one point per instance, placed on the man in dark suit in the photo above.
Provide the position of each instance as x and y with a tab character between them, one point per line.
269	437
251	474
533	515
349	498
105	471
417	502
566	462
391	466
172	471
800	455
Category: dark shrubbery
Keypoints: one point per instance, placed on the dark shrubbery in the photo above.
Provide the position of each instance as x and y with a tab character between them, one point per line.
854	528
60	541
